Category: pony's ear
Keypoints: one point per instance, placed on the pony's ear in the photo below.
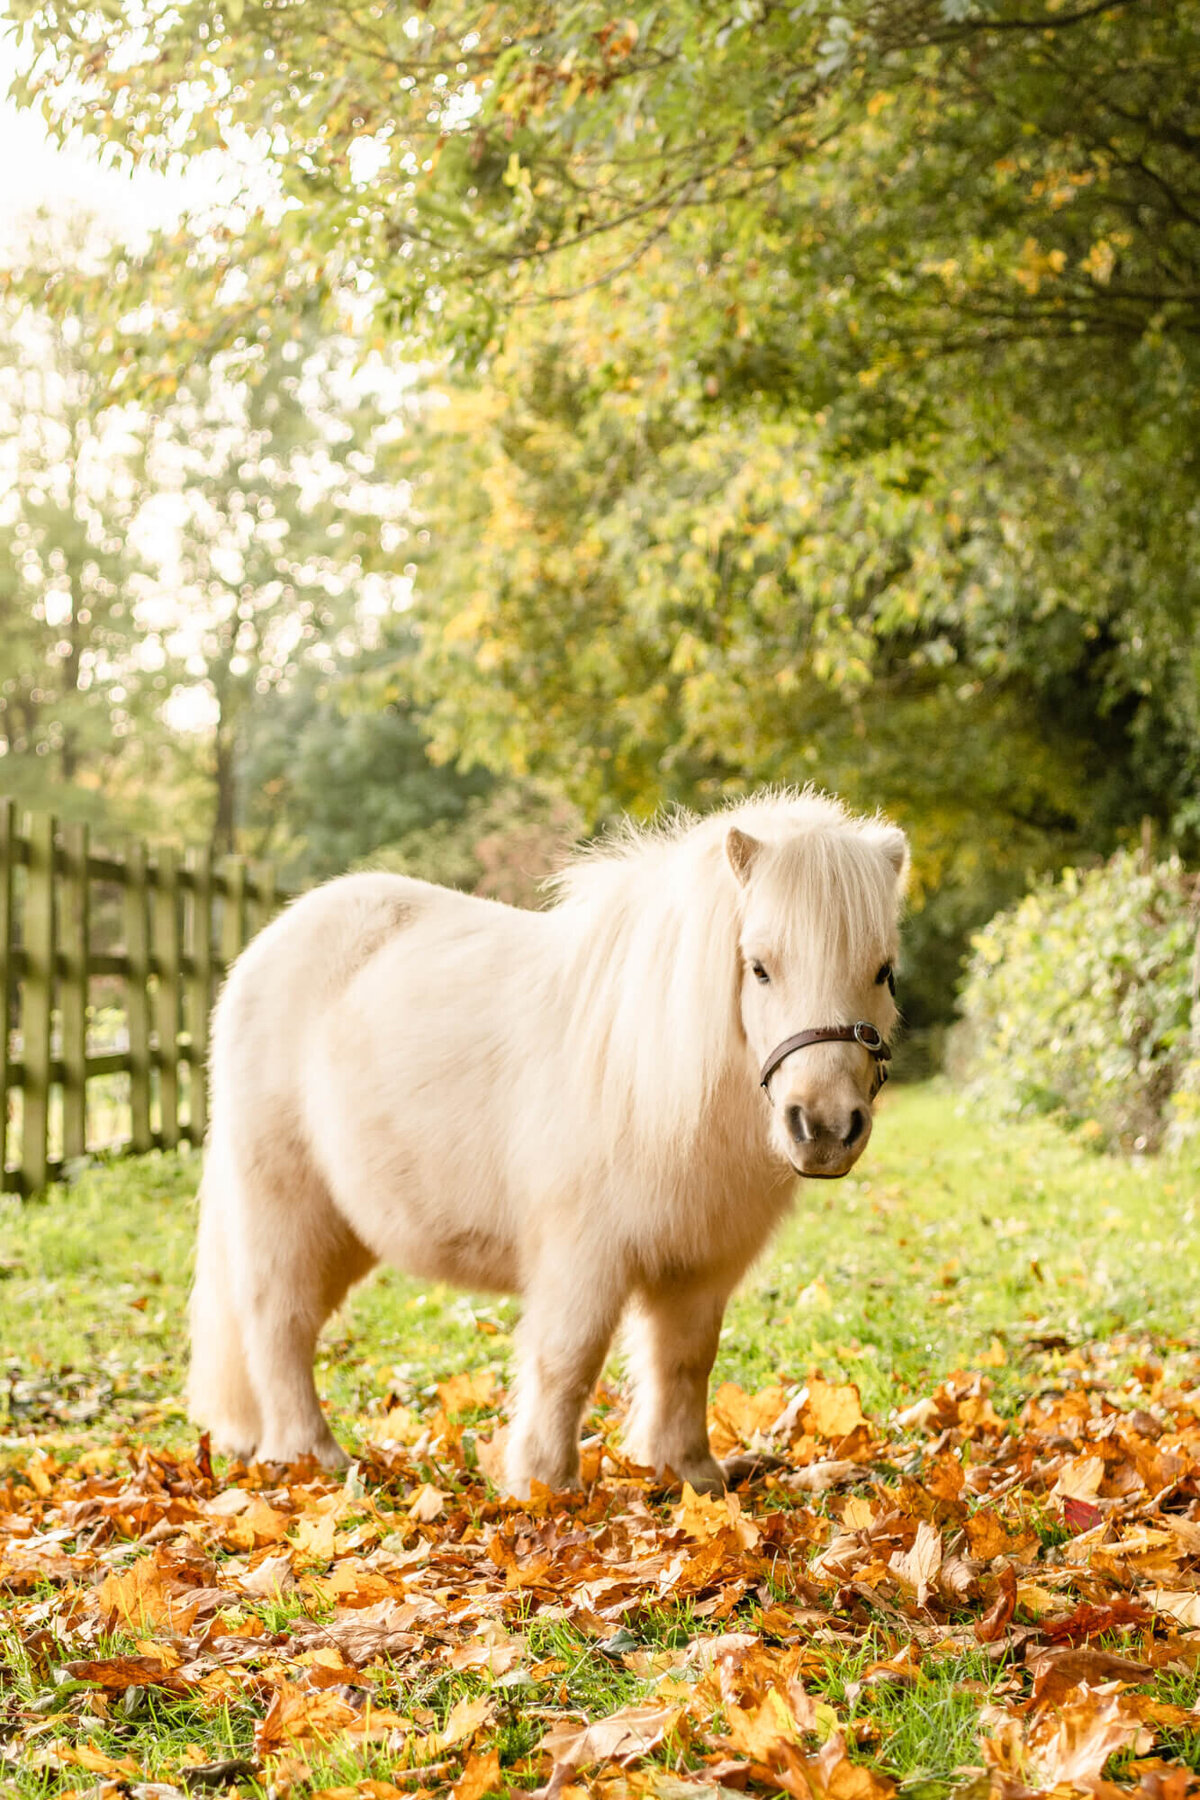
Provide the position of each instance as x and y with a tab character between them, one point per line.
741	849
894	845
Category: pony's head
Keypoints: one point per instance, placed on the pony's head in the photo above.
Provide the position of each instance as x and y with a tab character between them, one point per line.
819	913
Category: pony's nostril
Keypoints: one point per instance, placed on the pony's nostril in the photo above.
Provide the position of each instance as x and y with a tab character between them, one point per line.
797	1124
858	1124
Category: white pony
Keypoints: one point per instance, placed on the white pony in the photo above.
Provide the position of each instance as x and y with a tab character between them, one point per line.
563	1104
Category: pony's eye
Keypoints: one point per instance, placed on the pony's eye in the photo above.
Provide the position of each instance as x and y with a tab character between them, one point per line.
760	974
888	974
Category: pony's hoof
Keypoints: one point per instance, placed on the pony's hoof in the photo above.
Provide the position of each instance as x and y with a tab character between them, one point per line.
328	1455
238	1446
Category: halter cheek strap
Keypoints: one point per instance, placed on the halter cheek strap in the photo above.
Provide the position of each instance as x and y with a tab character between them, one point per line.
863	1033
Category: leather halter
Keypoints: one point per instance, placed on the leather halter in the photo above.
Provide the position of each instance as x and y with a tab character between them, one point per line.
863	1033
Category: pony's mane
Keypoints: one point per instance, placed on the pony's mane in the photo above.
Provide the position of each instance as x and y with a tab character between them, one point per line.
651	918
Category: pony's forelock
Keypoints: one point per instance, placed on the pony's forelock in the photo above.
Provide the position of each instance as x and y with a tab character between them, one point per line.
652	915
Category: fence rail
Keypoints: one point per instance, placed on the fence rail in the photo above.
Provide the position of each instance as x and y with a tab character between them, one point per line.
109	965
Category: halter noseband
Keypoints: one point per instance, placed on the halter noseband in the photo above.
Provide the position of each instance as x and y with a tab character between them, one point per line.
863	1033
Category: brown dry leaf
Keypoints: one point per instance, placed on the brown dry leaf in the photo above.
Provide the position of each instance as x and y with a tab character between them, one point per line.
833	1411
1182	1604
299	1716
736	1417
137	1599
256	1526
702	1516
362	1790
988	1536
465	1719
958	1579
116	1673
1079	1479
269	1578
367	1632
830	1775
490	1453
759	1731
481	1776
707	1516
315	1537
922	1415
399	1425
427	1503
1086	1732
996	1619
463	1393
918	1568
819	1477
229	1504
1056	1672
621	1738
86	1756
39	1470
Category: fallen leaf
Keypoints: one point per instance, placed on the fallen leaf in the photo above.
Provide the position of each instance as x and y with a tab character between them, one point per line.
833	1411
621	1738
465	1719
758	1731
480	1776
1177	1603
428	1503
917	1568
464	1393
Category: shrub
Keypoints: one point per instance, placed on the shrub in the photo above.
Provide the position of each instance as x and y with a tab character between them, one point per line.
1080	1001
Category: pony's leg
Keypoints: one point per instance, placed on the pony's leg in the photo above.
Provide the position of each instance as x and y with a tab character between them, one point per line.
562	1341
672	1338
298	1259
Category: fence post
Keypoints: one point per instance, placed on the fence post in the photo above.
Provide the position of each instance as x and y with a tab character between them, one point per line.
137	998
166	945
37	1002
267	900
173	953
233	916
199	995
73	989
8	856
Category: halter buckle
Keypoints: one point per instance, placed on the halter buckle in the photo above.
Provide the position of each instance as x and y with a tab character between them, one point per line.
868	1036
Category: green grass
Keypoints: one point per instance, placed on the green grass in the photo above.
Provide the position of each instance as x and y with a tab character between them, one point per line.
955	1233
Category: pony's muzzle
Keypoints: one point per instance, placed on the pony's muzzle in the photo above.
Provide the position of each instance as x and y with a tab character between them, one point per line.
826	1140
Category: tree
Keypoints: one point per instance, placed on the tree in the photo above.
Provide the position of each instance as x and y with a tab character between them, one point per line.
281	511
176	557
824	394
487	159
69	561
331	771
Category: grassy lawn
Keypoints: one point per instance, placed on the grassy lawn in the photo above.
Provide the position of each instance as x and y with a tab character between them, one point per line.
1019	1269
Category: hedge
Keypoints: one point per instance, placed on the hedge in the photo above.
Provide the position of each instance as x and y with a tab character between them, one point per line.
1082	1002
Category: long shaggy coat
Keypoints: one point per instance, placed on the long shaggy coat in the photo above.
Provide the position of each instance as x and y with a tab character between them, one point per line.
562	1104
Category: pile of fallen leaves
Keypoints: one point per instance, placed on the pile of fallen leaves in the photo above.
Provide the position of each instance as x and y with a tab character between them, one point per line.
1062	1544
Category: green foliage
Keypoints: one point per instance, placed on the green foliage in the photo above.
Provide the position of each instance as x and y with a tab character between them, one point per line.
70	564
1081	1001
195	574
824	385
649	599
328	777
505	844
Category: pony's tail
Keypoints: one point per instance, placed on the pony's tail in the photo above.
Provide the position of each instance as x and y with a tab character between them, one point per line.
220	1394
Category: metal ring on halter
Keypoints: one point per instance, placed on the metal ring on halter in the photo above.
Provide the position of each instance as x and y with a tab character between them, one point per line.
862	1032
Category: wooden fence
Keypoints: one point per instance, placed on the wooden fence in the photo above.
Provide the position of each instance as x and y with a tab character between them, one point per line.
109	965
